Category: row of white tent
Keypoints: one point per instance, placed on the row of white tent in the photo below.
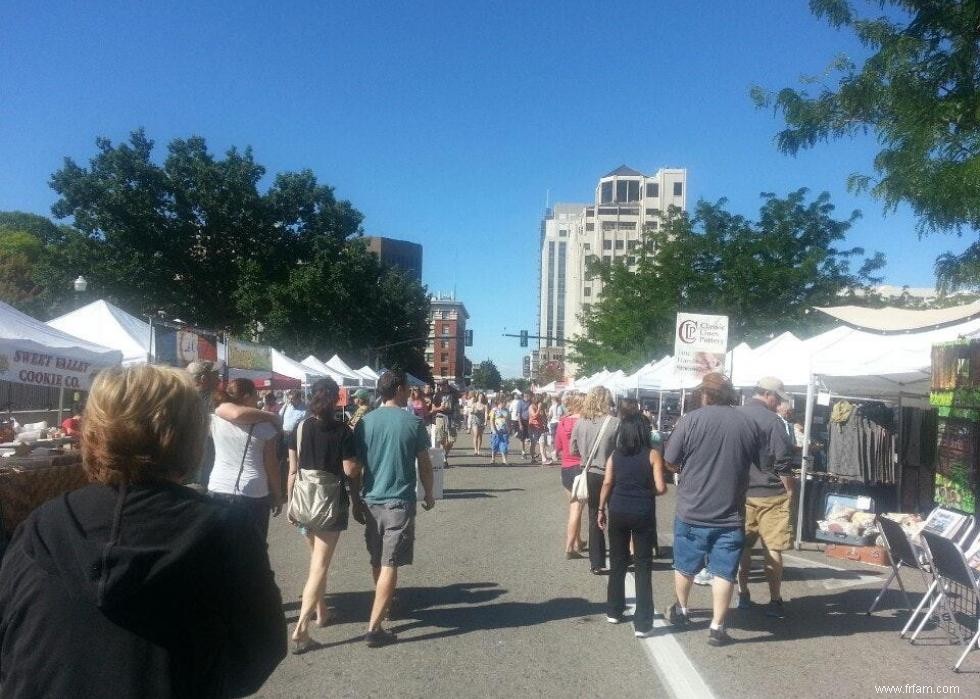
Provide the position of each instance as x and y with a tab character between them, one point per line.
844	361
103	324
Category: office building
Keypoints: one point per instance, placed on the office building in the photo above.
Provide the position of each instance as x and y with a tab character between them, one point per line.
397	253
625	204
445	352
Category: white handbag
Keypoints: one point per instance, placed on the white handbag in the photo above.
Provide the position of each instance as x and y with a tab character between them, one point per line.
580	486
316	497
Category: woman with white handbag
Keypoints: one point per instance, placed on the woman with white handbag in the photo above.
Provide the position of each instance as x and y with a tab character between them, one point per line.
593	439
321	468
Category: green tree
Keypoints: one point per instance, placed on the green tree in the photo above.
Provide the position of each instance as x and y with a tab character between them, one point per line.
764	275
486	376
511	385
196	238
919	93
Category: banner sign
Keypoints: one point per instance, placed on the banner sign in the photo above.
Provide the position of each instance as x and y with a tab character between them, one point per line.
246	355
181	347
700	345
46	369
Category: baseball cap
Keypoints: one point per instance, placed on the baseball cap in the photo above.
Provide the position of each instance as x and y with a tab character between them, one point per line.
201	368
362	394
773	385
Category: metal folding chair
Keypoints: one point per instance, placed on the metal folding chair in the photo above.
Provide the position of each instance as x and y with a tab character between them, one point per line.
900	554
932	597
950	566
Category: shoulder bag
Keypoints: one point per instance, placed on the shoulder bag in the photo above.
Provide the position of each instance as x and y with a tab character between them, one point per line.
316	498
580	486
241	467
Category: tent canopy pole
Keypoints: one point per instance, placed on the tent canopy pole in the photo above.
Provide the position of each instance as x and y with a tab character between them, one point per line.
811	394
660	413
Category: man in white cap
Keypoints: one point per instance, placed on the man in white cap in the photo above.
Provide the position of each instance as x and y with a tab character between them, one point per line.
769	498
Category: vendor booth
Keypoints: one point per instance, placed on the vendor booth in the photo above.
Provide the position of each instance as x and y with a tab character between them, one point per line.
102	323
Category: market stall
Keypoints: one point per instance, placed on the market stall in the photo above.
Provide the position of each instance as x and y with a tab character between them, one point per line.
104	324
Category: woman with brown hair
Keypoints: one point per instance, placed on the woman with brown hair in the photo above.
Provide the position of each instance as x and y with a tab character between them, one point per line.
479	411
135	585
327	447
246	467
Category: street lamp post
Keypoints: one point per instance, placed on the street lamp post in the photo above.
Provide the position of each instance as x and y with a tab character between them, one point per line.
81	285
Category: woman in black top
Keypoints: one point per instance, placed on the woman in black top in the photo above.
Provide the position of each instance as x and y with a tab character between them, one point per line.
634	476
327	445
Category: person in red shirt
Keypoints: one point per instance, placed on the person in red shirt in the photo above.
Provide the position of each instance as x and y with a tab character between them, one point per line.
570	467
72	427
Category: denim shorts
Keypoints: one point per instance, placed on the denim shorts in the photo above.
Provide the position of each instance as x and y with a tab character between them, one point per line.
721	546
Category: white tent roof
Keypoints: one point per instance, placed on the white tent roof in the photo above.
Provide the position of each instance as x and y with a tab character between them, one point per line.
341	367
22	335
901	319
284	366
369	372
319	367
784	357
102	323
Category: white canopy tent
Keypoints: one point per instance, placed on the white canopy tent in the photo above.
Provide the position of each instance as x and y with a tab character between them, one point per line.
342	368
36	354
370	376
104	324
319	367
284	366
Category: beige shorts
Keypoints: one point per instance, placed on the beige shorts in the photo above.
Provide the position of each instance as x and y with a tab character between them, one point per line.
770	519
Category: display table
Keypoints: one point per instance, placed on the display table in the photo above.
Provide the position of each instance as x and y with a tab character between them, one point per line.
29	481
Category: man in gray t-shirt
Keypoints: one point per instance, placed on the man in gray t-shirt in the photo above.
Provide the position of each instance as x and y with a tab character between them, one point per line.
713	448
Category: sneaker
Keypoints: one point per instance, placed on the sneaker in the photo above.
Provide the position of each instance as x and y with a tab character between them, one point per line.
744	600
642	633
615	619
718	637
379	637
675	616
775	609
703	578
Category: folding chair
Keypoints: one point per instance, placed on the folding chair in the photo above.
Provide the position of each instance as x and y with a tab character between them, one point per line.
949	565
900	554
931	596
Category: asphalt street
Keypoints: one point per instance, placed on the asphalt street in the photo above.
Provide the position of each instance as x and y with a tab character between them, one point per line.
491	608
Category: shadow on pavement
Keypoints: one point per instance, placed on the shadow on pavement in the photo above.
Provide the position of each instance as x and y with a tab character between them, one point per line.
470	494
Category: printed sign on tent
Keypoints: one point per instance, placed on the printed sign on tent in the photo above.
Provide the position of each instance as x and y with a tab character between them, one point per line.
181	347
700	344
246	355
45	369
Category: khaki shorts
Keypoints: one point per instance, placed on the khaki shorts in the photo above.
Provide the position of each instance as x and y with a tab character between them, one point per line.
770	519
443	431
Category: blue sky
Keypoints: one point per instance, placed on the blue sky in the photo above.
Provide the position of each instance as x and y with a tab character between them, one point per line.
445	123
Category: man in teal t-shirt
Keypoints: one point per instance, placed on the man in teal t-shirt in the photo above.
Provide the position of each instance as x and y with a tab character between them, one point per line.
388	441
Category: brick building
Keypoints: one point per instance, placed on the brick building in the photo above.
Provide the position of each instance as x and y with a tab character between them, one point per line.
445	352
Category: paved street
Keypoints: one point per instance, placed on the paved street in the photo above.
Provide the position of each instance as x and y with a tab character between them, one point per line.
491	608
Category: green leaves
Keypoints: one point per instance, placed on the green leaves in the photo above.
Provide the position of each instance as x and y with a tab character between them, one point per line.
763	274
486	376
196	238
919	94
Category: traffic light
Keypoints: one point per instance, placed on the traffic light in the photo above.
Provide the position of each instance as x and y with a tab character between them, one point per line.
468	338
523	338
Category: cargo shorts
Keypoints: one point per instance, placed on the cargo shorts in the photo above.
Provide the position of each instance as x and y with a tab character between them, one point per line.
770	519
390	533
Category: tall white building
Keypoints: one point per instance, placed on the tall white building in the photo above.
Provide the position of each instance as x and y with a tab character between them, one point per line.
610	227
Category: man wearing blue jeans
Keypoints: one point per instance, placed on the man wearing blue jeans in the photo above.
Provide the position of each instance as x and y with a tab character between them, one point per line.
713	447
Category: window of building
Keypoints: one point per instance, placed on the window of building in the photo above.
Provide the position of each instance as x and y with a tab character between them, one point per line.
444	315
654	225
653	189
562	234
609	212
629	212
445	344
444	357
632	244
551	285
606	195
633	190
631	261
607	245
608	225
445	331
428	357
590	212
590	226
627	225
678	189
587	247
620	244
653	212
587	291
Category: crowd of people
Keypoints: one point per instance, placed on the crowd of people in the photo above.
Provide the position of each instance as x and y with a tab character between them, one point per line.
142	586
154	588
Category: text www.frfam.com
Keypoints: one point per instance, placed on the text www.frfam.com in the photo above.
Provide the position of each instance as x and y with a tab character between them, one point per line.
917	689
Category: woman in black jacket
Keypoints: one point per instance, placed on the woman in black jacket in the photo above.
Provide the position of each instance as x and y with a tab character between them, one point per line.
136	586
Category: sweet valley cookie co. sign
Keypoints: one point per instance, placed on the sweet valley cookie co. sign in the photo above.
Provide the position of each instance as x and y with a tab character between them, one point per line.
46	369
700	345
